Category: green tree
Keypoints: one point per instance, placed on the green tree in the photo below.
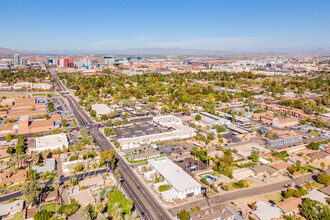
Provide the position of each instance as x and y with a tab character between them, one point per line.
43	215
184	215
254	156
10	150
314	210
64	122
108	157
322	164
323	178
313	146
31	190
104	117
92	112
9	137
198	117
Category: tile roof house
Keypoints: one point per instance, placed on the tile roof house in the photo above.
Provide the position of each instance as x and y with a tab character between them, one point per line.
325	190
8	177
280	165
290	206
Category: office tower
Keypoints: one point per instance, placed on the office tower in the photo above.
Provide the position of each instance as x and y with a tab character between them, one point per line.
16	60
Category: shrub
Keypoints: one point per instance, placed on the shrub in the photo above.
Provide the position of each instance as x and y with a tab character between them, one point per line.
69	209
163	188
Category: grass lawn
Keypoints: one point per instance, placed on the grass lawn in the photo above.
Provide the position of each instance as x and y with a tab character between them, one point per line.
316	133
246	165
252	183
275	196
44	94
14	188
282	157
50	207
18	216
231	186
318	185
75	121
311	168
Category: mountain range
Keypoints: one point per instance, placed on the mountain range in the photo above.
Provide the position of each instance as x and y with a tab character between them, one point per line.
175	51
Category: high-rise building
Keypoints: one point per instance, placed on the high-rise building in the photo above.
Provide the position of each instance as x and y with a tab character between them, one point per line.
16	60
23	61
65	63
109	60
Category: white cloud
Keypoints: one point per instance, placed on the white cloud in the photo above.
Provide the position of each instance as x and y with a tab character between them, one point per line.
208	43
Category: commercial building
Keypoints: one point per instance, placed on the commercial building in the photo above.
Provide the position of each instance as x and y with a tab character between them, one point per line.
182	184
65	63
27	116
16	60
280	138
23	62
51	142
177	131
101	109
285	122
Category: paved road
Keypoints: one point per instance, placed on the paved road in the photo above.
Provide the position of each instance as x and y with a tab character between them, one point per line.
229	196
145	203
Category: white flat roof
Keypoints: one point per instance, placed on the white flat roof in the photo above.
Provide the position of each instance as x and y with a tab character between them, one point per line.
101	109
51	140
174	175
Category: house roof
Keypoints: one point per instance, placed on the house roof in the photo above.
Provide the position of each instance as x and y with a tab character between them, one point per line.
280	165
266	212
51	196
17	205
318	155
326	190
262	168
316	195
289	204
242	173
214	212
97	180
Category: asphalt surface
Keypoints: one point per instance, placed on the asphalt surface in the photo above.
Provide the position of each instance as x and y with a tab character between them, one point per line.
144	202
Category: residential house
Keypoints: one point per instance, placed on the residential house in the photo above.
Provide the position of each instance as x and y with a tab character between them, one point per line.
290	206
265	211
11	208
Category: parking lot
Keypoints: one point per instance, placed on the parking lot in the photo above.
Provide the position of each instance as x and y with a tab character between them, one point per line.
146	128
189	165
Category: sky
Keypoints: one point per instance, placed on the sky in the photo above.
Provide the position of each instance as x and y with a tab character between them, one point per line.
206	24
